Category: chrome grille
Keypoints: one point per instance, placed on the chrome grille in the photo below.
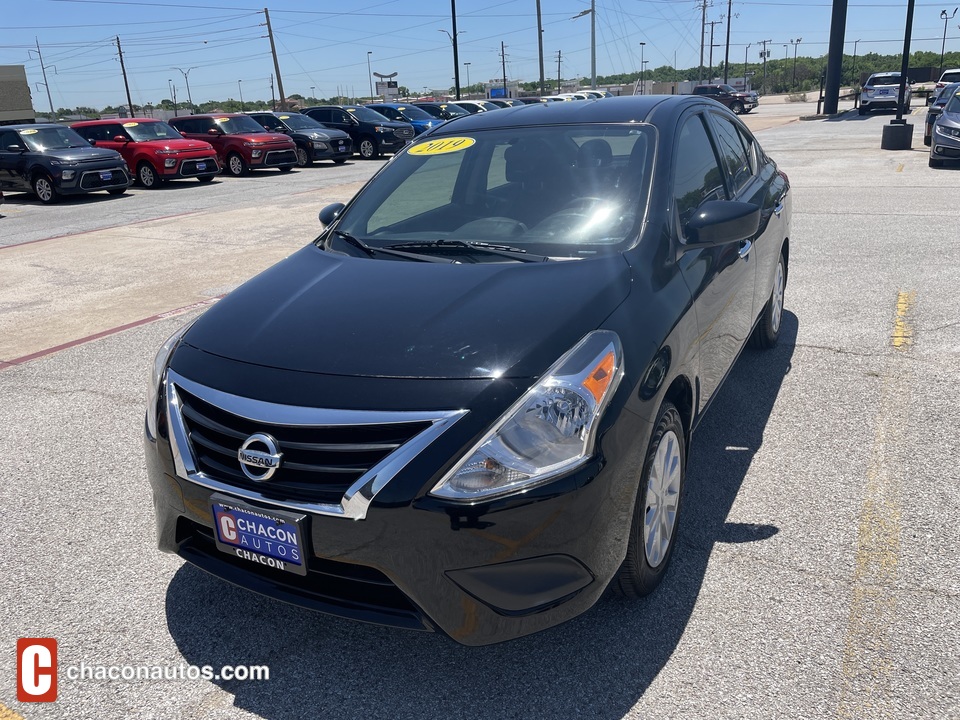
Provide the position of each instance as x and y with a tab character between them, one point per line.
91	180
333	461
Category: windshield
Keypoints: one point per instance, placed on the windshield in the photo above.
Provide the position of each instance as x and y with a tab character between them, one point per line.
52	138
950	76
295	121
239	124
948	92
414	113
365	114
953	105
142	132
883	80
454	110
562	191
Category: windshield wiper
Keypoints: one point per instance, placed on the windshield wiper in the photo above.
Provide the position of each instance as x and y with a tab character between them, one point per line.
514	253
370	251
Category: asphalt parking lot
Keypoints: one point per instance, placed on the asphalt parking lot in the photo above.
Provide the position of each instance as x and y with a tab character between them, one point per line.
816	572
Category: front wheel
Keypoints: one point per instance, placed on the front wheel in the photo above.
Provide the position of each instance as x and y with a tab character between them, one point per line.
368	148
236	165
45	191
303	158
737	108
653	531
767	332
148	176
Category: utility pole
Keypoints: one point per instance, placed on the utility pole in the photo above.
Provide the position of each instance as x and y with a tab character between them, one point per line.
711	24
124	71
763	54
503	63
53	113
593	44
276	63
540	45
703	33
642	68
943	45
173	95
273	99
746	51
456	55
838	24
558	71
795	44
726	56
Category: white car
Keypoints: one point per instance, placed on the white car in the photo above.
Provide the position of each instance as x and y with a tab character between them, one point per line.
881	91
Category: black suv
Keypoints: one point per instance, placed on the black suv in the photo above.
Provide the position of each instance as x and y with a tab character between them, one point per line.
314	141
739	102
371	132
53	160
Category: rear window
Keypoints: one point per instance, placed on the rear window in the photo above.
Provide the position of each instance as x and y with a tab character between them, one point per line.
950	76
882	80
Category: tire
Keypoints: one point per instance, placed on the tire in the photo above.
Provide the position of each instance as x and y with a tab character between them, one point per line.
45	190
767	332
303	157
368	148
147	176
861	111
117	191
286	169
657	510
737	108
927	140
339	161
934	163
208	178
236	165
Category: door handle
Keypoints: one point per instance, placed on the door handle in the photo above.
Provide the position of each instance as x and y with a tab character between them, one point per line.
745	248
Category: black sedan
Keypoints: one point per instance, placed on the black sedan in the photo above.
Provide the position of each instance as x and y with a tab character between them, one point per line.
314	141
52	160
467	406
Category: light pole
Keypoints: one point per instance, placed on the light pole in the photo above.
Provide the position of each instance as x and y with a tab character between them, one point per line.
746	50
795	44
592	12
466	65
370	73
312	89
173	95
856	80
186	79
643	68
943	45
240	87
642	46
456	58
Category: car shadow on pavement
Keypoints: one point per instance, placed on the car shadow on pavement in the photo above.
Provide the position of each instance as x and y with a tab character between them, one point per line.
597	665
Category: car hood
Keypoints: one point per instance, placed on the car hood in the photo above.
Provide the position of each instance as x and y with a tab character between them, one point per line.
175	145
326	313
318	132
81	154
266	137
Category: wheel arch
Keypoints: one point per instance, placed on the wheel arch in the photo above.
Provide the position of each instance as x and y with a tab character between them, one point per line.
680	394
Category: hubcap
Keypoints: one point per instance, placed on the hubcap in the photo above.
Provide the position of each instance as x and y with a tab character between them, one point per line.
366	148
146	176
302	158
662	500
236	165
777	299
44	190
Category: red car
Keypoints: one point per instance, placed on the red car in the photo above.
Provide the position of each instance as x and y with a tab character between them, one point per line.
241	142
154	151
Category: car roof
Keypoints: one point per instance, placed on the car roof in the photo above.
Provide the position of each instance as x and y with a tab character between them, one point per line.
32	126
208	115
624	109
108	121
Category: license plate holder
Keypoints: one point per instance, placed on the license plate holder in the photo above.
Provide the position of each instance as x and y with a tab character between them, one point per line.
266	537
201	166
106	175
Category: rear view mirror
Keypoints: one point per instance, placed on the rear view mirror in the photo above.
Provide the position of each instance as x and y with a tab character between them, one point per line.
214	131
718	222
15	148
119	138
330	213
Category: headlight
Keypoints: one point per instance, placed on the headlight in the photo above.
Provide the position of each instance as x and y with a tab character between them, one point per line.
156	376
63	163
256	153
381	129
167	151
169	162
948	131
320	146
548	431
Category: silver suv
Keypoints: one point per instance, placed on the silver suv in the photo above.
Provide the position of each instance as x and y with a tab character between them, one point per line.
881	91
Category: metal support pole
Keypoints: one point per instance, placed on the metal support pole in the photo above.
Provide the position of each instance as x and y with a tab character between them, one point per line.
838	22
276	62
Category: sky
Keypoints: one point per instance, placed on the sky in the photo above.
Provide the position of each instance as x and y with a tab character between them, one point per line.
323	46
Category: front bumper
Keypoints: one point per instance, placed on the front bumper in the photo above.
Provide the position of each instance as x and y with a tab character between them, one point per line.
944	147
480	573
335	150
86	179
190	167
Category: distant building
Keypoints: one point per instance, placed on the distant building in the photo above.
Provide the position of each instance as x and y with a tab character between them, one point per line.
16	103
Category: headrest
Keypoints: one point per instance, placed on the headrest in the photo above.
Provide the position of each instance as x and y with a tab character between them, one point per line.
594	153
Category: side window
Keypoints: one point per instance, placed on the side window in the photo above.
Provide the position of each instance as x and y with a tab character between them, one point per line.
321	115
187	126
733	152
112	131
9	138
341	116
697	176
270	122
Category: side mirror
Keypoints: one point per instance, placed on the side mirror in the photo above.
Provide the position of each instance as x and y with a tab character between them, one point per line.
935	111
718	222
214	131
16	148
330	213
92	142
120	138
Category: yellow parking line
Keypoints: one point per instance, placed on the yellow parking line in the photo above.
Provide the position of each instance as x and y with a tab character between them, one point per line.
900	167
8	714
867	668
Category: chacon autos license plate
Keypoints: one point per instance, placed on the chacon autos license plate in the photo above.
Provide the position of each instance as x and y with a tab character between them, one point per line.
271	538
106	176
201	166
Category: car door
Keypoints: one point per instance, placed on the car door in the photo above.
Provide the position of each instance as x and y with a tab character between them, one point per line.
106	134
721	279
13	163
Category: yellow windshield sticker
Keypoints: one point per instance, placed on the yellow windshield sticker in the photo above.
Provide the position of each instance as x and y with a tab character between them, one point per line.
130	124
401	109
351	109
441	146
220	120
284	117
29	132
